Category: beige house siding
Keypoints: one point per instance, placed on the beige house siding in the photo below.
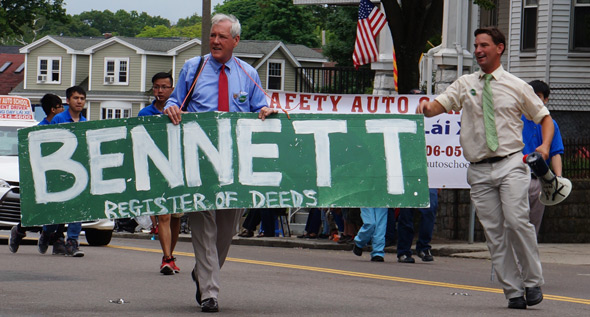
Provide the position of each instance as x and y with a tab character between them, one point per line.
82	68
49	49
117	51
183	56
156	64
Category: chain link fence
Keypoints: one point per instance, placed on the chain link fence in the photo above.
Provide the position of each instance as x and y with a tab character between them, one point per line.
569	98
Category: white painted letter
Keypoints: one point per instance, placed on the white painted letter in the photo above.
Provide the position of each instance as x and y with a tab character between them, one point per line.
60	160
99	161
144	147
321	130
194	139
391	128
247	151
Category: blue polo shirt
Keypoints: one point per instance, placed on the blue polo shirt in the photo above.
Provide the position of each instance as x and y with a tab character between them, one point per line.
532	138
65	117
150	110
44	122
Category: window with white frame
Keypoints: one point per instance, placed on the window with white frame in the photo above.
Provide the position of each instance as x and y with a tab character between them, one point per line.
115	110
49	70
274	77
528	39
116	71
580	26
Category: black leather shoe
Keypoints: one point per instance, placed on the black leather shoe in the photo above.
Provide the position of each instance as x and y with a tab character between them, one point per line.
377	258
534	295
405	259
517	303
425	255
356	250
198	294
209	305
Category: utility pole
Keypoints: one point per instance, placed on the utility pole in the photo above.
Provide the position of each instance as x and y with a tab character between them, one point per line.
205	27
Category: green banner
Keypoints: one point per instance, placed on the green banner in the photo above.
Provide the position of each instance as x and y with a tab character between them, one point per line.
147	166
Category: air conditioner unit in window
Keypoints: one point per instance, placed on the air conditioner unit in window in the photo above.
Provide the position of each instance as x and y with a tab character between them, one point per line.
109	79
42	78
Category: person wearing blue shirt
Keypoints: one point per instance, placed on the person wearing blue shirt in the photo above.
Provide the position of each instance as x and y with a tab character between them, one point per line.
76	99
168	226
51	105
212	230
532	138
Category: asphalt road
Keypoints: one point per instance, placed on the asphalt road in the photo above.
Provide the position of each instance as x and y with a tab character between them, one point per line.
263	281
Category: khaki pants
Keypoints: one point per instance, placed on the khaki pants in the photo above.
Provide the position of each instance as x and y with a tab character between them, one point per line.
212	232
499	192
537	208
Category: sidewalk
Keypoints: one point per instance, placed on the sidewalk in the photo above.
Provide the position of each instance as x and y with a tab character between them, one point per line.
573	254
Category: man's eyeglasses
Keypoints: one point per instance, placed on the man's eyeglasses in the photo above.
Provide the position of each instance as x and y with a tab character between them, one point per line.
161	87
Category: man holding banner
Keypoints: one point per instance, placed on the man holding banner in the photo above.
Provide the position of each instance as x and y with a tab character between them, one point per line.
492	101
216	82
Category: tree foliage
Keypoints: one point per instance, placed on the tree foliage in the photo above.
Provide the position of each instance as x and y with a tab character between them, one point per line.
340	26
20	18
274	20
121	23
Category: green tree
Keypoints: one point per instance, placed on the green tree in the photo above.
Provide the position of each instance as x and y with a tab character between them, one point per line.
121	23
274	20
340	26
20	18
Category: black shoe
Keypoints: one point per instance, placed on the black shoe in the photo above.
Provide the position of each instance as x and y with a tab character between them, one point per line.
43	243
534	295
198	294
405	259
377	258
72	249
425	255
15	239
517	303
356	250
209	305
59	247
344	239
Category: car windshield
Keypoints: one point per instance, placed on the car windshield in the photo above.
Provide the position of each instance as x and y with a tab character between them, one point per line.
8	141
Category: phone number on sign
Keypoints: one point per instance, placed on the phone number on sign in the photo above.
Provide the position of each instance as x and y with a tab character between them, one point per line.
448	151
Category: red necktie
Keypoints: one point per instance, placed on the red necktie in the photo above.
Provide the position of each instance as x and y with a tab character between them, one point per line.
223	102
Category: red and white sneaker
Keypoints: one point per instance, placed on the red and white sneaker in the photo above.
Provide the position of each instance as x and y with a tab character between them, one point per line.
167	267
174	267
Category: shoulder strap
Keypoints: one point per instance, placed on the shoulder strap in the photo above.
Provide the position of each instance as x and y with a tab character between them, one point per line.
190	92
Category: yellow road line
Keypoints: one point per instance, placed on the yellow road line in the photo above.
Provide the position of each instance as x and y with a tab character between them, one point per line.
366	275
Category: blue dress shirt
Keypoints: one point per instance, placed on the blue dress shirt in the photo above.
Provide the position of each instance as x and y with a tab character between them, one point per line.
532	138
150	110
244	95
65	117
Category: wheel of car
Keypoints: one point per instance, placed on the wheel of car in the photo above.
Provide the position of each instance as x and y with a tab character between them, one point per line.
97	237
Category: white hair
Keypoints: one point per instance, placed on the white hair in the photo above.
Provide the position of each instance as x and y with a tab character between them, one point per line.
236	29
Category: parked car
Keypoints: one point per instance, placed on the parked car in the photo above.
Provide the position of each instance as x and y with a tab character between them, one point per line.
97	232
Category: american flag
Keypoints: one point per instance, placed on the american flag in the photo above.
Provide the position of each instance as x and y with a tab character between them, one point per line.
371	21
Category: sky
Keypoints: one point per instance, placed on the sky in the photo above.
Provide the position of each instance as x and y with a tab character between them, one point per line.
169	9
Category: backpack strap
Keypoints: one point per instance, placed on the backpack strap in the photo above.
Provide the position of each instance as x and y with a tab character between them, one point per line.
192	89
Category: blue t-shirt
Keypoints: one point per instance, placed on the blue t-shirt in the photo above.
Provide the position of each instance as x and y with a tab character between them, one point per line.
150	110
44	122
65	117
532	138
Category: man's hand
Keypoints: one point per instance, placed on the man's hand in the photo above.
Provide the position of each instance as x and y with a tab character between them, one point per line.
266	111
544	150
174	114
430	108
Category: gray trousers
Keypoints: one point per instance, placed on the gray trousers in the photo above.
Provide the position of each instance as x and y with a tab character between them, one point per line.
499	192
537	208
212	232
